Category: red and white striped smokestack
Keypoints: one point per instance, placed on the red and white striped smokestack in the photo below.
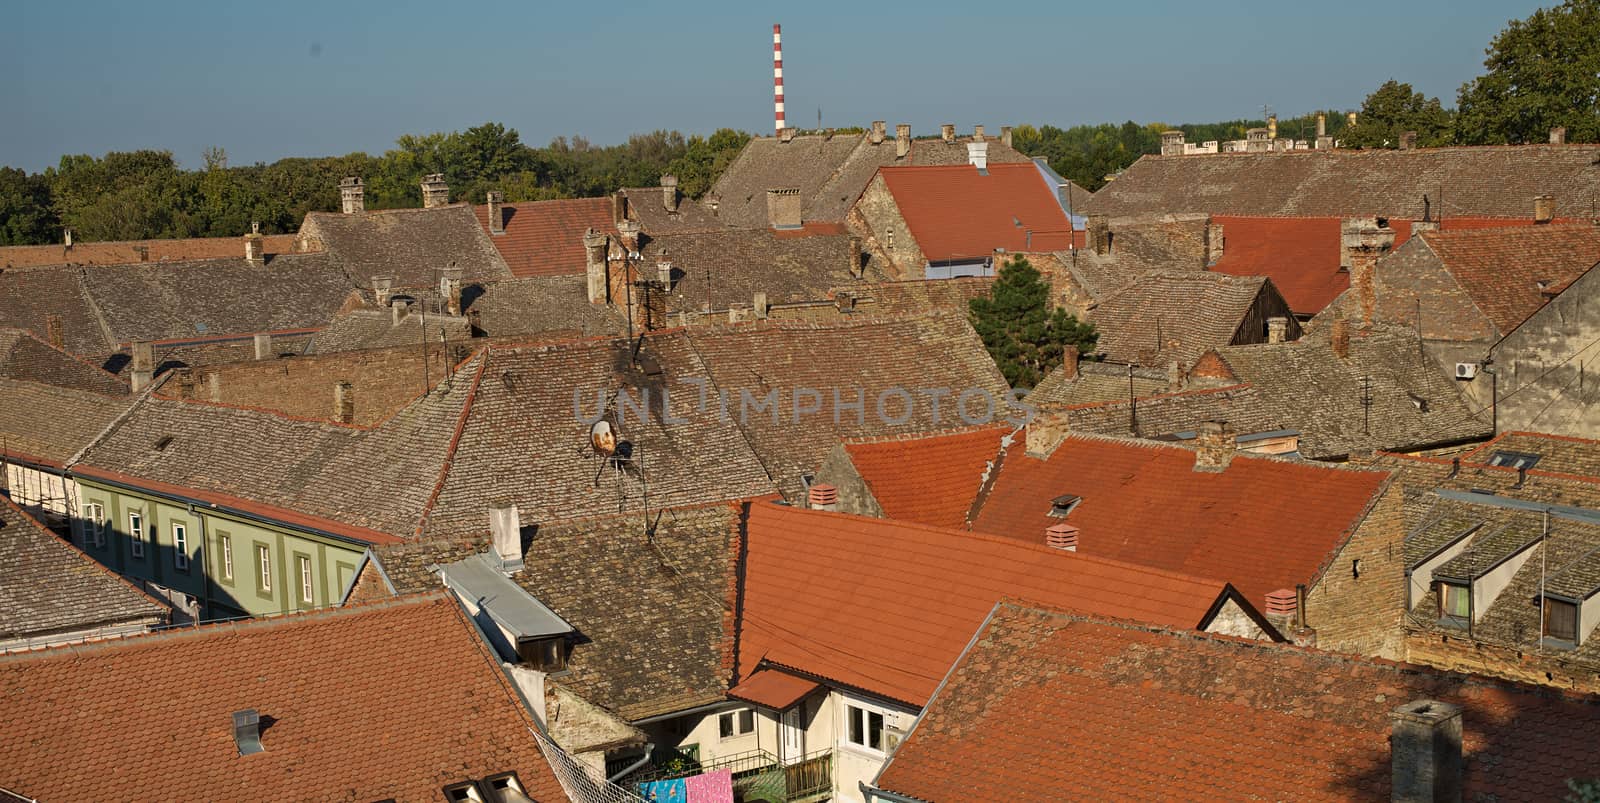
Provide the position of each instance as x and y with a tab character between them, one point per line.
777	73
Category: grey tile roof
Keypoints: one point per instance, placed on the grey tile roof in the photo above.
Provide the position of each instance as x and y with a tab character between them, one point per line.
1175	315
647	206
412	245
1557	453
1242	406
48	586
28	297
1096	383
1495	181
23	356
728	267
540	305
918	295
411	566
1413	403
367	328
74	418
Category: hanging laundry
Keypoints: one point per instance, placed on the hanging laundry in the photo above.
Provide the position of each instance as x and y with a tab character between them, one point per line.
711	787
672	791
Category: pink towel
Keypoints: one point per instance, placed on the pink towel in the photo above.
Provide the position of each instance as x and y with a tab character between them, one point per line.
712	787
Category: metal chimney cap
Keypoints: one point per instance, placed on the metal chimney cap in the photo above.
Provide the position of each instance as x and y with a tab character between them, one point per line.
247	731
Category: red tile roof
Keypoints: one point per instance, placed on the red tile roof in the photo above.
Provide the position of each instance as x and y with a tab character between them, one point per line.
774	689
956	213
132	251
1049	707
927	480
887	606
1263	524
1301	254
388	700
1501	270
545	238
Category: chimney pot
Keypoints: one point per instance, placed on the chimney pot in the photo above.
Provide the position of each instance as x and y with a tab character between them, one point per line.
1277	330
1282	602
144	365
1544	209
880	129
1408	140
977	133
823	497
344	402
1069	362
497	215
435	193
947	132
786	134
1061	536
505	532
1425	752
783	208
1558	135
1215	445
669	193
1005	135
664	274
253	248
352	195
902	140
595	245
1339	338
247	731
263	346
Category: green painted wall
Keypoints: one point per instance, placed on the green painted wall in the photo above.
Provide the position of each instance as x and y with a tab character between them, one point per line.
331	561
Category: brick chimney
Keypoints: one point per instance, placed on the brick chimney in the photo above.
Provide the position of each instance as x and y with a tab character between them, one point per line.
758	304
1069	362
1099	234
344	402
263	346
947	132
1215	445
823	497
879	132
978	155
1277	329
902	140
669	194
53	330
1172	143
786	134
595	245
1324	142
1363	241
497	215
1425	752
1214	243
450	290
1558	135
381	289
399	308
1544	209
619	207
352	196
1339	338
435	193
144	365
253	246
505	536
1005	135
1061	536
1408	140
783	207
854	255
664	274
977	133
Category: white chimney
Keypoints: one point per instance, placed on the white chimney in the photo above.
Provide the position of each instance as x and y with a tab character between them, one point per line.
505	530
978	155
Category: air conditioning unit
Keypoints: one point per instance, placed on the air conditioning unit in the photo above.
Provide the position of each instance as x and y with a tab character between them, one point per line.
1466	370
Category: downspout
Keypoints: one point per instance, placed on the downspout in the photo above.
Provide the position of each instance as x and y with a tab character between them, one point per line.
628	770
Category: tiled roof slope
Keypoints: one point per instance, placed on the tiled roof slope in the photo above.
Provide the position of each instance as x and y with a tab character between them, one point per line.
412	245
876	356
545	238
134	251
23	356
407	719
1262	524
935	151
1475	181
48	423
524	438
1501	269
1057	706
1558	454
729	266
179	300
957	212
541	305
366	328
928	480
1175	315
919	295
51	587
1097	382
29	297
824	592
1242	406
646	205
411	566
1413	404
652	612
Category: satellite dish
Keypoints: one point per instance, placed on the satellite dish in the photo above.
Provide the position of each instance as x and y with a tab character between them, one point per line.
603	438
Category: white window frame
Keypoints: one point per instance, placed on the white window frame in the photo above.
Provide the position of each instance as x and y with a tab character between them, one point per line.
180	545
136	533
741	723
867	712
264	567
95	516
227	556
307	581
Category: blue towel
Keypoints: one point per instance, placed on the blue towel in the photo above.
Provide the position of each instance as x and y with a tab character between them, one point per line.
664	791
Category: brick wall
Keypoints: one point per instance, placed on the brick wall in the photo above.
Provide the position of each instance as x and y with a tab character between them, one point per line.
1414	272
878	216
1364	614
854	495
369	586
1465	655
383	380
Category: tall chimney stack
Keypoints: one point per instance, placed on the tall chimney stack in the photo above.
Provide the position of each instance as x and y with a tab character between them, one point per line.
253	246
1324	142
669	194
435	193
144	365
1362	243
1544	209
1558	135
505	534
497	214
777	76
595	245
947	132
352	195
880	131
1425	752
902	140
1215	445
1005	135
344	402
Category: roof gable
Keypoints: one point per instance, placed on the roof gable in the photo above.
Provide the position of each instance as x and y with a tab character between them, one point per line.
928	480
545	238
1178	315
959	213
1510	273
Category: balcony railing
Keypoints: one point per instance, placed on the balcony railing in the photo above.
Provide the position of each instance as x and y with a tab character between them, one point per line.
757	775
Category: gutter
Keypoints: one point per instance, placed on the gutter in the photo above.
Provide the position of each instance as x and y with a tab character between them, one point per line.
649	749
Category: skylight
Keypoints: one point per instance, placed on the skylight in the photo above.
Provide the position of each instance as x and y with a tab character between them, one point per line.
1514	459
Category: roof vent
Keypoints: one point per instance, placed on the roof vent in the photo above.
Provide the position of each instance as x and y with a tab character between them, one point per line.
1061	536
1281	602
823	497
1063	504
505	530
247	731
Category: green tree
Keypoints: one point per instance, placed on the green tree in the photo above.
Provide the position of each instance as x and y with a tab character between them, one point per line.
1394	109
25	214
1586	791
1543	71
1023	333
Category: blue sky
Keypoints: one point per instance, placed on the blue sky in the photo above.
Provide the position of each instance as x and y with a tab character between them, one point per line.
280	78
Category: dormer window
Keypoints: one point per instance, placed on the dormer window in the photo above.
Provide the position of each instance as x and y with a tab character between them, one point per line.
1523	460
1455	604
1561	621
547	654
1063	504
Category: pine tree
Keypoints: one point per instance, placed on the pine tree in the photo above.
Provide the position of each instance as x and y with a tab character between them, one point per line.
1024	334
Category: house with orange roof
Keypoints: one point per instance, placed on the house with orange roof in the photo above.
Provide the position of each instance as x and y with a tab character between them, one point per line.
1047	705
428	716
